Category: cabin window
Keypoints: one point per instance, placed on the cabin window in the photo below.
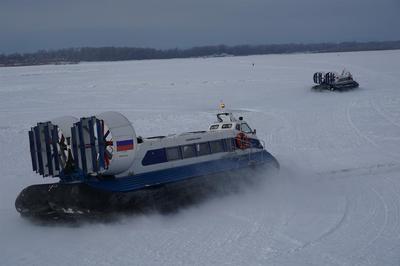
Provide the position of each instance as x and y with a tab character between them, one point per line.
229	144
216	146
173	153
213	127
154	157
246	128
226	126
188	151
237	127
203	148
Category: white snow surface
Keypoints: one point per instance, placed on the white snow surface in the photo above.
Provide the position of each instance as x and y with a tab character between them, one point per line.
336	200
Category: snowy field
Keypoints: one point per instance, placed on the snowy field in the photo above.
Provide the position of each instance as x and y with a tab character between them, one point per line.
336	200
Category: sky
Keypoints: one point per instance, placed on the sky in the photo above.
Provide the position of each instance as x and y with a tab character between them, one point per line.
30	25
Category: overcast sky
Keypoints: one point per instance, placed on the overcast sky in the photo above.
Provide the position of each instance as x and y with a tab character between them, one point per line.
29	25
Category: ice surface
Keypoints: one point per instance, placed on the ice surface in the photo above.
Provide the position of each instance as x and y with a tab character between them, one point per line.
335	202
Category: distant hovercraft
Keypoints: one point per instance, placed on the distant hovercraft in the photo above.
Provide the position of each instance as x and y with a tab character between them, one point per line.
333	81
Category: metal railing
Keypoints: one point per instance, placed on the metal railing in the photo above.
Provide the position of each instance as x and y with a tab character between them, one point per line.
252	148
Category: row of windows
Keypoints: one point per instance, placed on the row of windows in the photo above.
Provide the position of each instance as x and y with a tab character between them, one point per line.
187	151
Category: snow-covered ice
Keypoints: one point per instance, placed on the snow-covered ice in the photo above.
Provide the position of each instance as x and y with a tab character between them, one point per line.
335	202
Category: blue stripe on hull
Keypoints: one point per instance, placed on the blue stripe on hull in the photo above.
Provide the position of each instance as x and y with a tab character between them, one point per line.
176	174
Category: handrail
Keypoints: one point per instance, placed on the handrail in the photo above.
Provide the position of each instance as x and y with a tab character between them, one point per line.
252	147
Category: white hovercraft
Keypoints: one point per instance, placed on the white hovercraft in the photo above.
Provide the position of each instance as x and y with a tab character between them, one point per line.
103	166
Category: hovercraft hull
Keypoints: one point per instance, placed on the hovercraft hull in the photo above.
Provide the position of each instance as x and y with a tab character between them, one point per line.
163	190
346	85
337	86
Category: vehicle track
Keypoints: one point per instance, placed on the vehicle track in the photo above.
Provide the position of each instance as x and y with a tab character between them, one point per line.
373	139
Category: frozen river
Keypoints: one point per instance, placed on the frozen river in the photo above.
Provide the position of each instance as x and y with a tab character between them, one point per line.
336	200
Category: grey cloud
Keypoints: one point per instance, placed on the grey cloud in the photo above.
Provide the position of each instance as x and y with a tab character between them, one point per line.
30	25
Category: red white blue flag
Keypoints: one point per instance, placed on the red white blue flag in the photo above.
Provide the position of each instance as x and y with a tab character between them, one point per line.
125	145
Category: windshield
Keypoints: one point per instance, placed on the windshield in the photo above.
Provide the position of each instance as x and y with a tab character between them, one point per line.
246	128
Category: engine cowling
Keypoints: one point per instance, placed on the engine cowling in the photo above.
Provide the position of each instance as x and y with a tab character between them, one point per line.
50	145
103	144
124	142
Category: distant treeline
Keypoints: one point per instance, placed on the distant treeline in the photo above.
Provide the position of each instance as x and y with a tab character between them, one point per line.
76	55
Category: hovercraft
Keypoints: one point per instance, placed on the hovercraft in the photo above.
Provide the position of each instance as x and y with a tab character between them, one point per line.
333	81
103	167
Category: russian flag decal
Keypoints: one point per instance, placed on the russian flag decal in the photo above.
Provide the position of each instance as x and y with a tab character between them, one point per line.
125	145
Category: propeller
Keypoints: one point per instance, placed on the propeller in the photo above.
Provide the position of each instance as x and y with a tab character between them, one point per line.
318	78
107	140
63	147
108	146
